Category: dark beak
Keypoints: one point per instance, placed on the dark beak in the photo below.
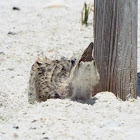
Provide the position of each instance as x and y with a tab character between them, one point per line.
87	55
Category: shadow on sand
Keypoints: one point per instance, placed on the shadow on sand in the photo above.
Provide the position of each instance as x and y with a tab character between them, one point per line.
89	101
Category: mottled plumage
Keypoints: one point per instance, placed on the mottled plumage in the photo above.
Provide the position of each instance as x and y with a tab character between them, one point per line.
49	79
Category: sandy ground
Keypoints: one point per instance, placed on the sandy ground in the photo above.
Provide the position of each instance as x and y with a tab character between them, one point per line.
56	32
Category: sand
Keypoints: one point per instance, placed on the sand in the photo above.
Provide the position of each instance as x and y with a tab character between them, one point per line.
56	31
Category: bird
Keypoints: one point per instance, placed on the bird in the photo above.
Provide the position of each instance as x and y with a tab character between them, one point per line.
64	78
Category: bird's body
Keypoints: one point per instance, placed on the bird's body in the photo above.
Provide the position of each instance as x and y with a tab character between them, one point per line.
63	78
84	76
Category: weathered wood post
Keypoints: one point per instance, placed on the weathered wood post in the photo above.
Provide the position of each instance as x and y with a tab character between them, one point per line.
115	37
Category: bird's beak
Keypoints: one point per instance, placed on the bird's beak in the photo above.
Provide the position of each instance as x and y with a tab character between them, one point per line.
87	56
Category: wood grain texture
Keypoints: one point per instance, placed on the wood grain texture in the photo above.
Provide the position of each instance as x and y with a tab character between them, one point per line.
115	38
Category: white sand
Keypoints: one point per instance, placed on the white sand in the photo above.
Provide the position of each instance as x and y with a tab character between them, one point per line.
56	32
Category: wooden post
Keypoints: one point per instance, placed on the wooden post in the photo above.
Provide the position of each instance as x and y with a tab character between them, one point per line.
115	38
